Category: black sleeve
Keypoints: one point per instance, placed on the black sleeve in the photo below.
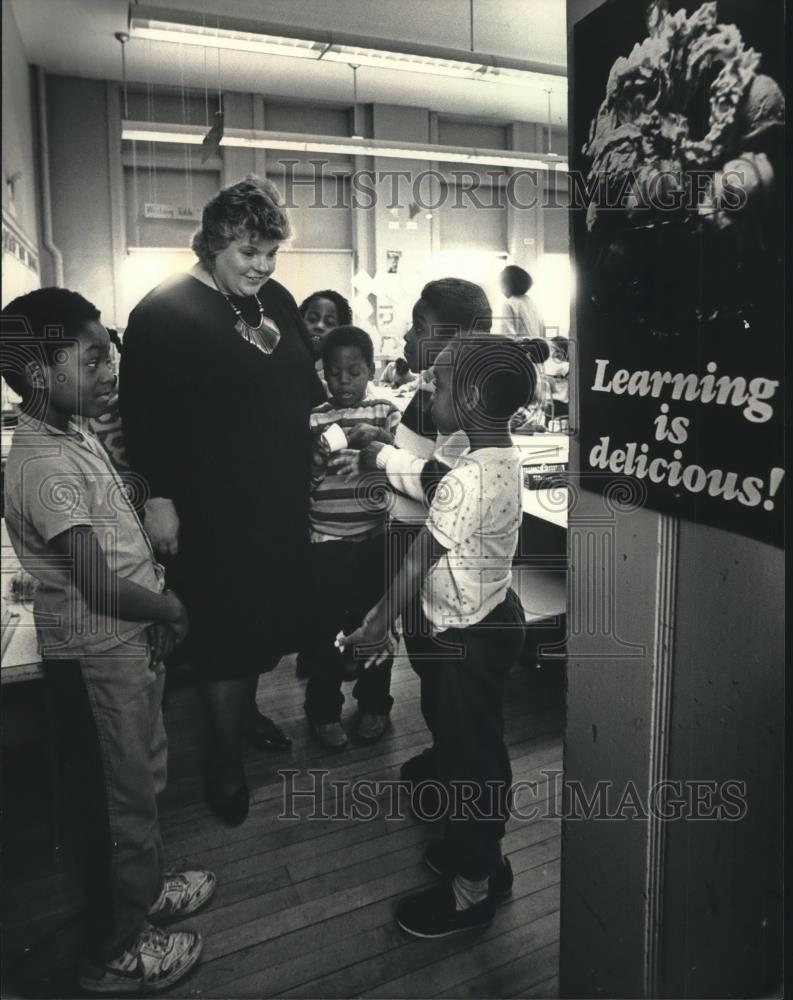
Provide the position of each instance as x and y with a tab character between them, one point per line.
418	415
317	390
318	394
150	402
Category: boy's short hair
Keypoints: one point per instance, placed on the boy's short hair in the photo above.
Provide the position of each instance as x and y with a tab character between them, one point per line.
35	326
499	369
343	310
460	304
537	348
562	346
348	336
516	280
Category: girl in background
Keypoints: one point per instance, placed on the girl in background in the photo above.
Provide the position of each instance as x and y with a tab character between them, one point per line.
322	312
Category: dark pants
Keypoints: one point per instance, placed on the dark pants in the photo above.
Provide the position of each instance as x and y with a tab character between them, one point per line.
463	672
348	578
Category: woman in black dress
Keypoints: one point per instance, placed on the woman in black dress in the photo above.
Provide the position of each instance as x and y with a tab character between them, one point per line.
216	385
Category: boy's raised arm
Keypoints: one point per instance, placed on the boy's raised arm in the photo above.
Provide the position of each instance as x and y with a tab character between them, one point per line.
375	632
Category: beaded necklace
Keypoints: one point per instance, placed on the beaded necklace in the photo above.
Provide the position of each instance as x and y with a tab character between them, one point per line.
265	335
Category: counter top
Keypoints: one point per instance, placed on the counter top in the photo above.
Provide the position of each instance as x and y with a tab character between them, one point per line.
21	659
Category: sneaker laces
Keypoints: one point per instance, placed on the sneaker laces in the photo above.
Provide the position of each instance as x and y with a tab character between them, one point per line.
174	880
154	937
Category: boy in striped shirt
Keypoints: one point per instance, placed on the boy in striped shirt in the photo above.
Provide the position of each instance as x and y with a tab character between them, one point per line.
348	517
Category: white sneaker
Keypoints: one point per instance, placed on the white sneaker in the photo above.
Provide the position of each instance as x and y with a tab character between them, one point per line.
182	893
157	959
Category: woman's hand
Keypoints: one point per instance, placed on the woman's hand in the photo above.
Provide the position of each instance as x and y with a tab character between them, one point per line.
162	526
374	636
346	462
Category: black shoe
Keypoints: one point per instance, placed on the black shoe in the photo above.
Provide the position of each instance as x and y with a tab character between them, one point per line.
432	913
500	882
264	734
231	807
371	726
330	734
303	667
419	768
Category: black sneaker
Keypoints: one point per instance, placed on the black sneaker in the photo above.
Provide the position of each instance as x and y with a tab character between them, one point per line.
500	883
432	913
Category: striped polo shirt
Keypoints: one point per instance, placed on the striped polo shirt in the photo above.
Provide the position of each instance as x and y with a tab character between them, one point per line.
340	508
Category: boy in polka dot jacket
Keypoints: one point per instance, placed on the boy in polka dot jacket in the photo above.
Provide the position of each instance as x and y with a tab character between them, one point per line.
463	628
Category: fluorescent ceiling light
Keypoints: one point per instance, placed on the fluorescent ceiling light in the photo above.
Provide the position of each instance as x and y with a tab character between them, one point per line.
455	68
221	32
237	40
252	139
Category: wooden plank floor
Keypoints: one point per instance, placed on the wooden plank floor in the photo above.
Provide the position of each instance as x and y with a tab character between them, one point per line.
305	901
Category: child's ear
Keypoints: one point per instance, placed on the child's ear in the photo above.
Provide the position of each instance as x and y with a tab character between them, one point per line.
472	398
371	372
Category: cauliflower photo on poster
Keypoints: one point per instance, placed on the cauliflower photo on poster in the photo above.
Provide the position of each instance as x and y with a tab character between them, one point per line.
684	169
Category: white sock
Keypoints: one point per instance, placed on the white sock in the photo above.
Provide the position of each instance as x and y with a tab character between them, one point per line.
468	891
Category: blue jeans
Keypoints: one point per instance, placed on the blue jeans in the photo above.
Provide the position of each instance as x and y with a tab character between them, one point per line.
110	705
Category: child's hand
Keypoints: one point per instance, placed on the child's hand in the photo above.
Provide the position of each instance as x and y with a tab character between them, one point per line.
176	616
374	636
161	641
363	434
345	463
162	526
368	456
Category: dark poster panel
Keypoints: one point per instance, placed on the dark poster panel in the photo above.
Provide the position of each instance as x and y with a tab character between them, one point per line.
677	162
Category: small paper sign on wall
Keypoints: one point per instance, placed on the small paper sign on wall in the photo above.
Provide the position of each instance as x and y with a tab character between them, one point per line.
156	210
